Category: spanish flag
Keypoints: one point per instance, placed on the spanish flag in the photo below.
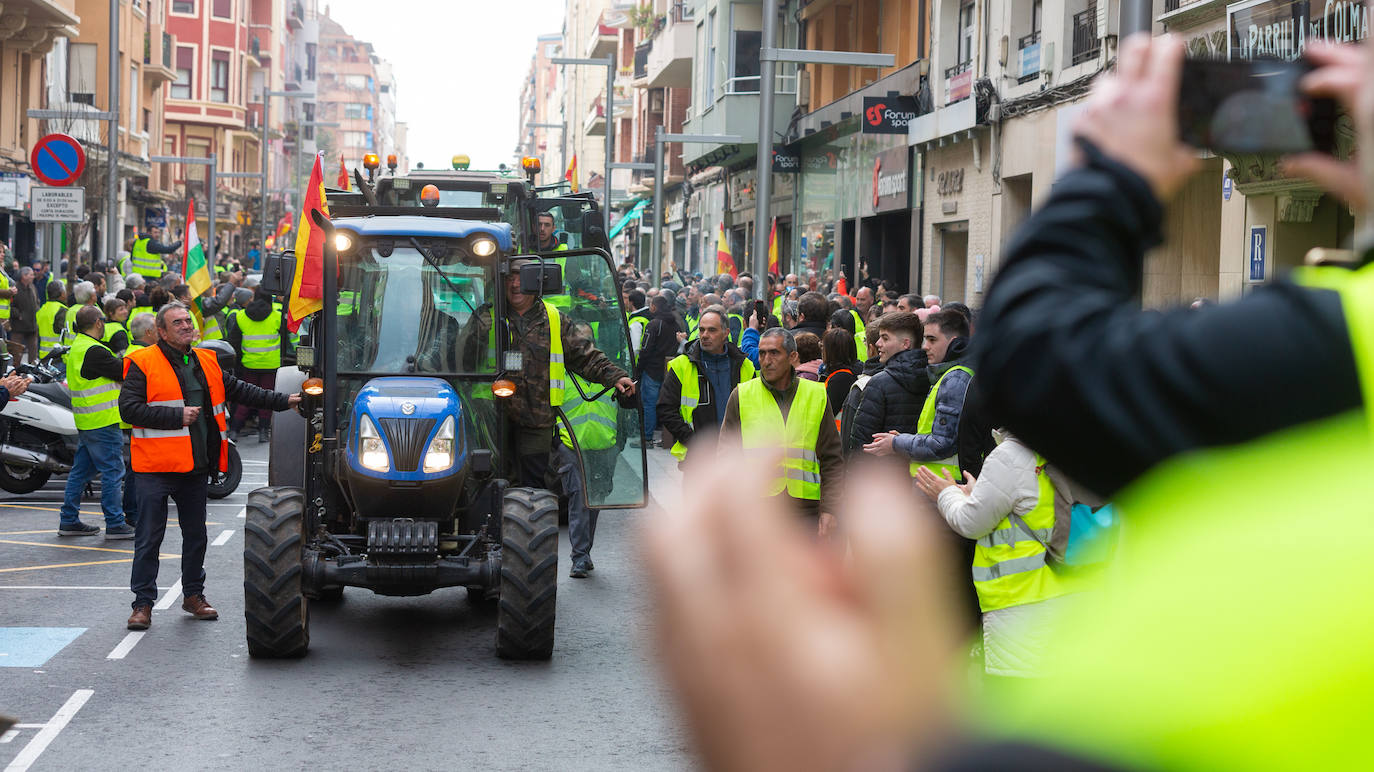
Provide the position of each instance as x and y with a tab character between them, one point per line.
342	182
307	287
773	248
571	174
724	262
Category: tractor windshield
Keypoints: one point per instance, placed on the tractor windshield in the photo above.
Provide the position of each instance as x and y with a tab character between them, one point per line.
397	313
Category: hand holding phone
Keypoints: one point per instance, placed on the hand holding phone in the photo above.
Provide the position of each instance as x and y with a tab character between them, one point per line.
1255	106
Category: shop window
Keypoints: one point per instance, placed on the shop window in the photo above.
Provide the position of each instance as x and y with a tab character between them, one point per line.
219	76
186	64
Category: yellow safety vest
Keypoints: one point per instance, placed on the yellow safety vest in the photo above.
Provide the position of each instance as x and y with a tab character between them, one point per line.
214	329
4	302
687	377
1011	564
594	422
49	336
860	332
146	264
95	401
763	428
927	423
261	342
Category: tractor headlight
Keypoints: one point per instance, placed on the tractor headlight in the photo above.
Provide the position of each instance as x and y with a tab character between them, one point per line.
342	241
439	455
484	246
371	450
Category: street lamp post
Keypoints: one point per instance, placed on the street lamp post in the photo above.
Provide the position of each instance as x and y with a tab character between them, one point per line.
609	63
769	56
112	176
660	137
266	174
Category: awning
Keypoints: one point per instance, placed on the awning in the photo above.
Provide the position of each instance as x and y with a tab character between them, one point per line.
635	213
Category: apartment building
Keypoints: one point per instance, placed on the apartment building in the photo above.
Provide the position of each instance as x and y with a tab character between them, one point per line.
349	95
540	110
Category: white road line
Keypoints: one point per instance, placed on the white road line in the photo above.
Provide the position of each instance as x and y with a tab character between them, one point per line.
223	538
58	587
50	731
242	513
169	598
127	645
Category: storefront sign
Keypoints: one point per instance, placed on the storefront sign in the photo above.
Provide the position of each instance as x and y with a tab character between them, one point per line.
1227	185
786	162
1257	239
58	204
890	180
822	163
888	115
154	217
1283	28
9	194
21	183
950	183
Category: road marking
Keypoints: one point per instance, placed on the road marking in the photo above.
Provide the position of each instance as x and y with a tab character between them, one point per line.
64	546
169	597
34	646
43	509
79	565
50	731
59	587
243	513
223	538
127	645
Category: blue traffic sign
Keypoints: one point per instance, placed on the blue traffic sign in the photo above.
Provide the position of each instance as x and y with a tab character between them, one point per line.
58	159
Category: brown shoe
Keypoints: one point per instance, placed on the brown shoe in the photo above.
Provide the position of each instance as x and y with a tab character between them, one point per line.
199	608
141	618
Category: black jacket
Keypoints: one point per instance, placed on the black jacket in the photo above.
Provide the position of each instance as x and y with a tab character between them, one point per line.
816	328
101	362
670	395
1070	364
659	345
851	405
892	399
24	308
134	407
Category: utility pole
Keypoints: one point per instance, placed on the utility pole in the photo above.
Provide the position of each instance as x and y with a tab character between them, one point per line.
112	146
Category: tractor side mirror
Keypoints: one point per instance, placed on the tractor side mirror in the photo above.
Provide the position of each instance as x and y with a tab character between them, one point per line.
278	272
595	238
541	279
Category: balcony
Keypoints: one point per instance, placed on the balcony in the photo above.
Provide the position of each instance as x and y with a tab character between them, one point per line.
603	40
958	82
295	16
595	123
642	60
158	46
1086	43
1028	49
735	113
669	62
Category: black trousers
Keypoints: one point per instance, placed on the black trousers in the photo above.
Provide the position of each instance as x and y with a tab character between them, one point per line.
190	492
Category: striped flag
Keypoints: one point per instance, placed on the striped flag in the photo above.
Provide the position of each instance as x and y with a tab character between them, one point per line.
571	174
307	287
342	182
773	248
195	269
724	262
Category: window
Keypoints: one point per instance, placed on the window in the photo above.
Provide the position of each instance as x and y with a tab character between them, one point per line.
184	6
81	72
355	139
309	110
222	9
309	61
710	62
354	110
133	97
966	33
219	76
196	148
355	81
186	72
147	120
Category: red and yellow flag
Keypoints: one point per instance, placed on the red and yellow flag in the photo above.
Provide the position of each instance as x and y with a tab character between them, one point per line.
773	248
342	182
571	174
307	286
724	262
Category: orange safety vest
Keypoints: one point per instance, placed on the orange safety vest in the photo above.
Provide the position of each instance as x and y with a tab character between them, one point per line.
169	450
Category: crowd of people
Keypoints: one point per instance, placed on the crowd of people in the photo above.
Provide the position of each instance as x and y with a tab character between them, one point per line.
153	407
1218	636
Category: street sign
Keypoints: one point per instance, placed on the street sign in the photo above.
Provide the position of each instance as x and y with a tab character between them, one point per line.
1257	239
58	204
9	194
57	159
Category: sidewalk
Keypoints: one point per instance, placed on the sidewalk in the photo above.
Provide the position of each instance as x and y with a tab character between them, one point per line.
665	479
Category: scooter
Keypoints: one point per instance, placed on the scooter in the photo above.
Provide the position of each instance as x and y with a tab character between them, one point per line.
38	436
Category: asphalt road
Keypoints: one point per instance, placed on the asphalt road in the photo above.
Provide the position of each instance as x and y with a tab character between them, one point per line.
389	682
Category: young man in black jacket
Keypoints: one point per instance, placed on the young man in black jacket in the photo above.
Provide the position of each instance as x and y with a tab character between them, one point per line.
660	345
893	399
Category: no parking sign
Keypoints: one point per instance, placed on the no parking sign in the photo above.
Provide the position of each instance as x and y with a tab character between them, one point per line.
57	160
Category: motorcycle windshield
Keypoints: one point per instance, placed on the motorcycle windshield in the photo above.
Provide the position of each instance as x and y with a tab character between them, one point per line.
398	313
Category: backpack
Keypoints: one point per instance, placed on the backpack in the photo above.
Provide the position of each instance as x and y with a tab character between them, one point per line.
1090	525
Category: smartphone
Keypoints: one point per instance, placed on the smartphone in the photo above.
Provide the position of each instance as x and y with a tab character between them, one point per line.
1253	106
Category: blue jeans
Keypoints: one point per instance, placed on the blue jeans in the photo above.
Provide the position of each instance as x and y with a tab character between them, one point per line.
648	395
99	450
581	518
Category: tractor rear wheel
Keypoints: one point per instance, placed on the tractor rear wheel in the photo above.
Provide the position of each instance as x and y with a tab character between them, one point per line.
528	604
275	606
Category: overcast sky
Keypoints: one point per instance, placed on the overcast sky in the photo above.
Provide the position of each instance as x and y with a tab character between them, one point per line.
458	65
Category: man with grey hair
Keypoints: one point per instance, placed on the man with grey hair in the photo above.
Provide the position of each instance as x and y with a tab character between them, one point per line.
931	301
83	292
142	332
778	408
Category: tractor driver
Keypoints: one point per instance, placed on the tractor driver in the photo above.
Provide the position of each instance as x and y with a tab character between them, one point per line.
541	382
544	238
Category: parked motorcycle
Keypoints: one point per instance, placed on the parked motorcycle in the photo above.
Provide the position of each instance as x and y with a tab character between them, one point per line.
38	436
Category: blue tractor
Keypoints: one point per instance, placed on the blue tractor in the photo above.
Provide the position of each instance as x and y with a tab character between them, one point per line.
394	476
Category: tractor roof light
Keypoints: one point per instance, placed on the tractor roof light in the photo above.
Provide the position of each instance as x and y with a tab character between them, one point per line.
391	162
370	162
531	165
461	163
429	195
503	388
